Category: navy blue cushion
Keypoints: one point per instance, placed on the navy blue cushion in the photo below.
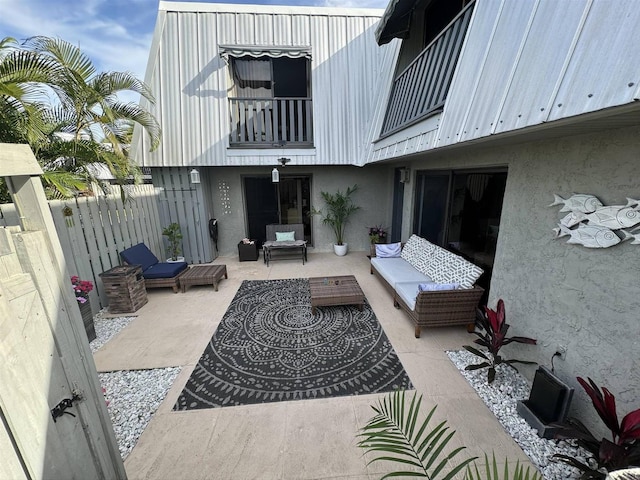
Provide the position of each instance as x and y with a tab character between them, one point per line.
164	270
139	255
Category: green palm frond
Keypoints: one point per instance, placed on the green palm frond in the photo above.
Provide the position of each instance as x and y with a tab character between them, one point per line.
491	471
395	434
62	184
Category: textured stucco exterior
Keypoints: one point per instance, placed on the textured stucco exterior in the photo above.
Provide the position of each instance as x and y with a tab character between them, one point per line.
562	294
375	188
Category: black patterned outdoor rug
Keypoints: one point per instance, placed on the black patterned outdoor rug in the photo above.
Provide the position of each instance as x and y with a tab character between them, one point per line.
269	348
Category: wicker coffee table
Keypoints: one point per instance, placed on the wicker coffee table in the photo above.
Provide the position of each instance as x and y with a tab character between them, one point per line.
342	290
203	275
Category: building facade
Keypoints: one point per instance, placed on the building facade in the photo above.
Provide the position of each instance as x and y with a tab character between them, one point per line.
459	121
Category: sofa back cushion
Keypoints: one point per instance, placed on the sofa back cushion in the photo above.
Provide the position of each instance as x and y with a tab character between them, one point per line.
447	267
440	264
417	252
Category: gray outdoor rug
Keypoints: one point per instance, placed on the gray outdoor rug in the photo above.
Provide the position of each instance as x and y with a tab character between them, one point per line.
269	348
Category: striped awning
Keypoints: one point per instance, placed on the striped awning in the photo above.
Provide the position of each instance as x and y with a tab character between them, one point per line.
256	51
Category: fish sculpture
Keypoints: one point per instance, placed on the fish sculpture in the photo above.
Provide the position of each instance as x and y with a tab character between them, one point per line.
589	236
577	203
571	219
635	237
614	217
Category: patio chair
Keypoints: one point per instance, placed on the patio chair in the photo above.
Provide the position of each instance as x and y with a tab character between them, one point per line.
287	239
155	273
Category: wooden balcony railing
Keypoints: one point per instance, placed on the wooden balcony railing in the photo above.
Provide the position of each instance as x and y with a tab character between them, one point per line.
422	87
269	122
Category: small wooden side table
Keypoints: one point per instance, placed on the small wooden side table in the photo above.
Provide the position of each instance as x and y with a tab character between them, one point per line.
203	275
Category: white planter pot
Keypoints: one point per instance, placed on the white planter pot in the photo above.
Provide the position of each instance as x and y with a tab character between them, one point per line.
340	250
179	259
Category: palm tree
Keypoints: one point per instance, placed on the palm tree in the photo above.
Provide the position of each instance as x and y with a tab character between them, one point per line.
86	122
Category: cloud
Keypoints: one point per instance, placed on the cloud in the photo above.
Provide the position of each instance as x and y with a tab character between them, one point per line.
116	35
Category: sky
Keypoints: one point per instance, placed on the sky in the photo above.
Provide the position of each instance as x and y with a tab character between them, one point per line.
115	34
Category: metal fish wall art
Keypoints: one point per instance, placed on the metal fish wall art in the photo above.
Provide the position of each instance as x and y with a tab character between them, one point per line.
614	217
578	202
589	236
635	237
596	223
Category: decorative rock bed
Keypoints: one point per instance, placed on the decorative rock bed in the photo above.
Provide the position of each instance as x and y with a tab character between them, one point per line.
132	396
501	397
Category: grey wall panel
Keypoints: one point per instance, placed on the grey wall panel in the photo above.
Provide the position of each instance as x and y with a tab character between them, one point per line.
474	54
193	83
532	89
606	60
492	78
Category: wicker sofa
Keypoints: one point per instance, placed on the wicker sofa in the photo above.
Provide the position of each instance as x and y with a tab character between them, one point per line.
423	266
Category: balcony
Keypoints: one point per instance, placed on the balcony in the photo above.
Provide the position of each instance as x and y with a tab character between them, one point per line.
269	122
421	89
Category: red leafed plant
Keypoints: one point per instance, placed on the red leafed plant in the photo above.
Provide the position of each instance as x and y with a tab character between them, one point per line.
493	336
622	451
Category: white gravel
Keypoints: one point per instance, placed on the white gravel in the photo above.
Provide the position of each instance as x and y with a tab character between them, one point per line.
132	396
501	397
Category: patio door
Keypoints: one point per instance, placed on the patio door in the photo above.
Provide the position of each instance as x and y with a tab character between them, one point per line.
285	202
460	210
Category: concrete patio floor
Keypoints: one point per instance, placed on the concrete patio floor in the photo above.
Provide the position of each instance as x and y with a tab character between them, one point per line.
309	439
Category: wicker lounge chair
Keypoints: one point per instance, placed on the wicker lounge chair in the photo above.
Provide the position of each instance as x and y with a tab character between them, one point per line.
155	273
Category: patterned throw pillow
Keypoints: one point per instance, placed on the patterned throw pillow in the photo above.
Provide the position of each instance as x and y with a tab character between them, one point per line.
285	236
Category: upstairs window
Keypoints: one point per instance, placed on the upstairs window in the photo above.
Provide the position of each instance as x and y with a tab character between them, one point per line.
270	97
266	77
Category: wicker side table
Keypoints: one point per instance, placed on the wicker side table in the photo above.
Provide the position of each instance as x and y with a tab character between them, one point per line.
125	288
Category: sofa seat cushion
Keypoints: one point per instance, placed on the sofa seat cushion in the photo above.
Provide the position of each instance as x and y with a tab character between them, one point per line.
164	270
395	270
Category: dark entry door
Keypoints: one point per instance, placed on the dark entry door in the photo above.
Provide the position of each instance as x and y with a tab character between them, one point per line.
262	206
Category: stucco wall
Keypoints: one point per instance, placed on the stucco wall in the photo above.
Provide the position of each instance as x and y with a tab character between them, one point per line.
586	299
375	187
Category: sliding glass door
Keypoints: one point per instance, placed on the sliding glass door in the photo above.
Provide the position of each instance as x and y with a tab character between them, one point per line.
460	210
285	202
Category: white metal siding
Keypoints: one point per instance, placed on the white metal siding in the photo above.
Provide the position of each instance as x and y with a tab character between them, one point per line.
191	83
529	62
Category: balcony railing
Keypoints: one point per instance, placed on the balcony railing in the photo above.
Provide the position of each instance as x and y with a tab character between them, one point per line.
269	122
422	87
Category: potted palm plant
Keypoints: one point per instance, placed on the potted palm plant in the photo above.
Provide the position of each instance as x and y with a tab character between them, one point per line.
174	235
339	207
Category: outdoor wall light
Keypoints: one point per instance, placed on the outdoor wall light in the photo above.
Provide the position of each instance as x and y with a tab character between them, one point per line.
195	176
275	174
405	175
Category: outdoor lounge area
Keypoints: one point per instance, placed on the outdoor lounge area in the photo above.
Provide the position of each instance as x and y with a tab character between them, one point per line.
304	439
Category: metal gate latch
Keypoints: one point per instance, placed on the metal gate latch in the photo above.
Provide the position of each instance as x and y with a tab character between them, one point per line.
60	408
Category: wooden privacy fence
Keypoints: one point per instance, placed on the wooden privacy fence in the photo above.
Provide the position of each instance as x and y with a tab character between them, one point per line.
94	230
